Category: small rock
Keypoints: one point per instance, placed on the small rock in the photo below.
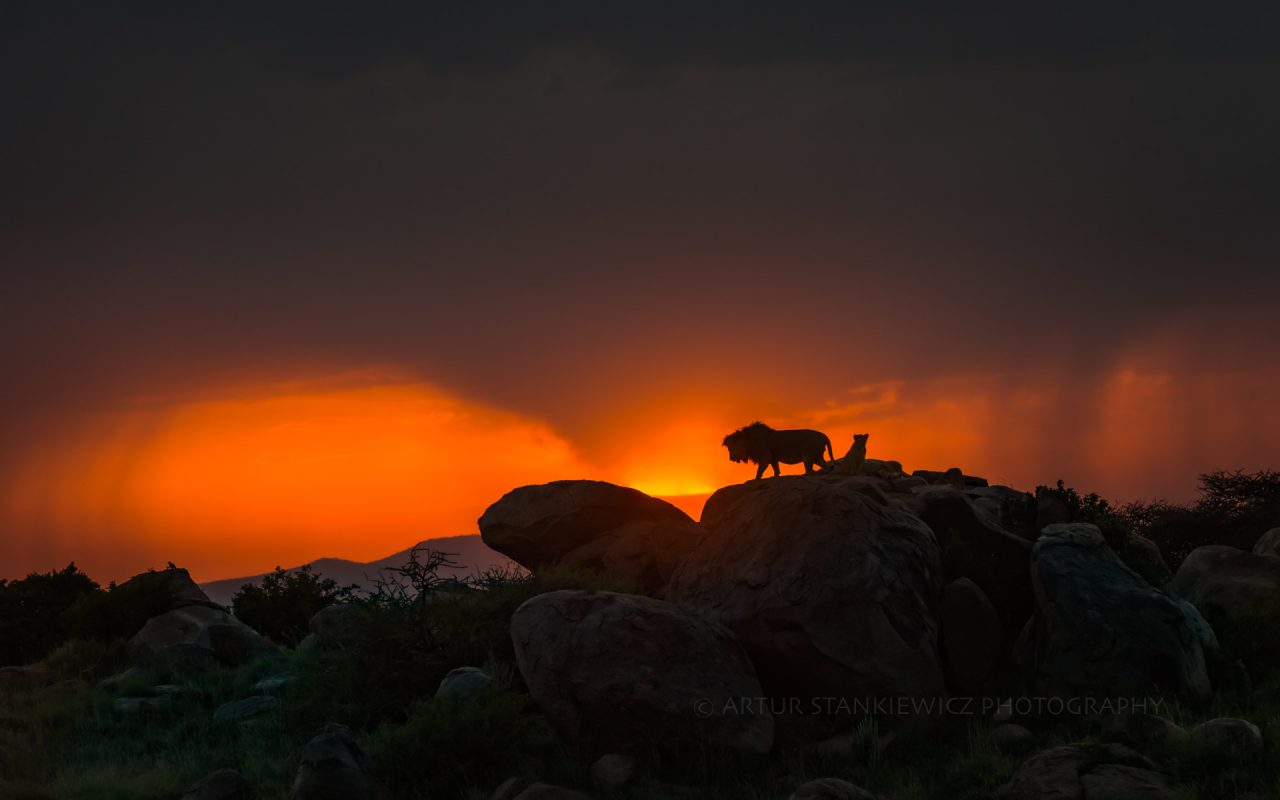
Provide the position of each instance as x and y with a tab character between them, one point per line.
173	689
135	705
273	684
1011	737
333	766
831	789
237	710
113	682
1228	736
463	682
225	784
612	770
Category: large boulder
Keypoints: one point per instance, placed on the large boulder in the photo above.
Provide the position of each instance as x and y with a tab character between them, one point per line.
1238	739
197	637
1268	544
592	524
1143	556
1102	630
618	672
1229	584
1239	593
973	545
831	588
973	638
1088	772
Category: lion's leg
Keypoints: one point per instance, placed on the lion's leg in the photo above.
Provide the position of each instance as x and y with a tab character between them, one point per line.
808	467
760	470
776	471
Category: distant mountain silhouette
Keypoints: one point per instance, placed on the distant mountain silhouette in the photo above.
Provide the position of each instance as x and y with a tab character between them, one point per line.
468	552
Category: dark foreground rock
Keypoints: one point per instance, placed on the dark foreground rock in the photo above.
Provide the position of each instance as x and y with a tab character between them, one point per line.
1105	632
1237	739
618	672
1088	772
1230	585
831	589
973	545
591	524
973	638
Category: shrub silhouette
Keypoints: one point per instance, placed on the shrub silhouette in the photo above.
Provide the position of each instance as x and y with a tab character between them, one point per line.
34	610
285	602
1234	508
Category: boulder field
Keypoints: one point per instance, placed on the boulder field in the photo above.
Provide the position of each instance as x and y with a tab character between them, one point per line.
861	587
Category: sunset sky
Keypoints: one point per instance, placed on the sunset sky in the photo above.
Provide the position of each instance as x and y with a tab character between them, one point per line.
328	279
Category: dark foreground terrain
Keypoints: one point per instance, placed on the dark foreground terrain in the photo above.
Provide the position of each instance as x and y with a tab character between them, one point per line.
832	637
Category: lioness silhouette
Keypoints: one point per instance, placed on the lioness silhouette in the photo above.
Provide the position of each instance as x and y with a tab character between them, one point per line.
763	446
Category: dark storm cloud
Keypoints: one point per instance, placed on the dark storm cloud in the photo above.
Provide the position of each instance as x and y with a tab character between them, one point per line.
192	193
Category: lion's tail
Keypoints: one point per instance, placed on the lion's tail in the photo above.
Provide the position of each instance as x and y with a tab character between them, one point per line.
830	452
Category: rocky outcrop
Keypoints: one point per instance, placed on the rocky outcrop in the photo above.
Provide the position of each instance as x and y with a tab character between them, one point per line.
618	672
333	767
591	524
1103	630
974	546
950	477
831	589
167	589
196	637
973	638
1143	556
1088	772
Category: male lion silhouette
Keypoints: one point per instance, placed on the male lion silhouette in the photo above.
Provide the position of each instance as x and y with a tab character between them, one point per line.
763	446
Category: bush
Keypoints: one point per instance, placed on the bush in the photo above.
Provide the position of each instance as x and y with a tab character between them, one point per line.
1234	509
447	748
286	601
34	612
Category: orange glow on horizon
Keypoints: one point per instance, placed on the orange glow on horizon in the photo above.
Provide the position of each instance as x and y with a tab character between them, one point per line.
285	474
